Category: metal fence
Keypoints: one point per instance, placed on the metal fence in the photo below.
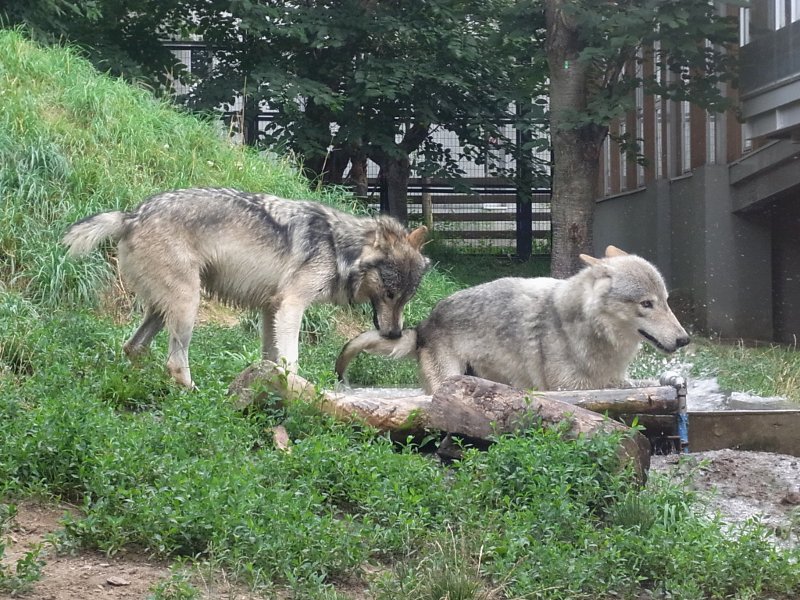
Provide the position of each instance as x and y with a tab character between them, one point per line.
484	219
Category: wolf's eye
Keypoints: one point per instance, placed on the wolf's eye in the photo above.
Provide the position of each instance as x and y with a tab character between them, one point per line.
390	295
646	304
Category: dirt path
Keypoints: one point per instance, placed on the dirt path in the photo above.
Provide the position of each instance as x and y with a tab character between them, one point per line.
89	575
738	485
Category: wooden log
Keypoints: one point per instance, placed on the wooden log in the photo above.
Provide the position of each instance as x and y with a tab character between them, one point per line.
398	413
480	408
464	405
653	400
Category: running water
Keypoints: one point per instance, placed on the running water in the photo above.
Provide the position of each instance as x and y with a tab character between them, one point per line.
705	395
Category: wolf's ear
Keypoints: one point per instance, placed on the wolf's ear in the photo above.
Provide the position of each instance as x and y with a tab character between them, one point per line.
614	251
417	237
589	260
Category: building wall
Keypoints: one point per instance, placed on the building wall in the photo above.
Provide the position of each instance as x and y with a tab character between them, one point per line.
717	212
786	262
717	264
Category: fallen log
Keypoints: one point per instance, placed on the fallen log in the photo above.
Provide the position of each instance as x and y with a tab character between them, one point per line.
464	405
481	409
398	413
651	400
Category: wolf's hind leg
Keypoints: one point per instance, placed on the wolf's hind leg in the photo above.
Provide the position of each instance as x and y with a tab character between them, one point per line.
435	367
180	322
140	341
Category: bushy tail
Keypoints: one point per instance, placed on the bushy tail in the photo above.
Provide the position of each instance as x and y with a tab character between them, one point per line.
372	342
87	234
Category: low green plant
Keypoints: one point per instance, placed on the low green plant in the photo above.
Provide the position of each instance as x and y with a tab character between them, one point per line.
177	587
446	568
28	569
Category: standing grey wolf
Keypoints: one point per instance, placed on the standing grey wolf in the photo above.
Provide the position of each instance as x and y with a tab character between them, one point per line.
540	333
255	251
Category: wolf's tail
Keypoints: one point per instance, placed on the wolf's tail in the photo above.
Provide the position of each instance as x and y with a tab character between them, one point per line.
85	235
372	342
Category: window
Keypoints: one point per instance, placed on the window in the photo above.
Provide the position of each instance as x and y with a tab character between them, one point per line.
744	26
711	138
786	11
781	8
685	136
658	106
639	116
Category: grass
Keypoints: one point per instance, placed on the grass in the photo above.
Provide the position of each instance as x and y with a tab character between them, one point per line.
185	475
770	370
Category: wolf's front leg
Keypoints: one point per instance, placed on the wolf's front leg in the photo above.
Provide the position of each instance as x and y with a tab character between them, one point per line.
178	360
269	348
288	319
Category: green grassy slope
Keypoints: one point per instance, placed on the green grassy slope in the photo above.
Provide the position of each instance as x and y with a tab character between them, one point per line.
73	143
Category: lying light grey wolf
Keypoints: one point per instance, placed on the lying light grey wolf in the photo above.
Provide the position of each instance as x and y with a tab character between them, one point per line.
255	251
540	333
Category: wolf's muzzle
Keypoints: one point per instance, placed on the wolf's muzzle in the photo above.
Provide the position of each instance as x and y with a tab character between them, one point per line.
679	342
389	334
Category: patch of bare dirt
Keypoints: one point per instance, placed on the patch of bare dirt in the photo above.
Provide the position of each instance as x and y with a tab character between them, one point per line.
740	485
89	575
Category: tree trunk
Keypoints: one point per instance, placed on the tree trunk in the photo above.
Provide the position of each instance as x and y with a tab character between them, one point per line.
427	204
524	184
576	149
357	177
394	174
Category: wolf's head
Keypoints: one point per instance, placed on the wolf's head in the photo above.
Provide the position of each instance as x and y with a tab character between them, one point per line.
629	300
390	269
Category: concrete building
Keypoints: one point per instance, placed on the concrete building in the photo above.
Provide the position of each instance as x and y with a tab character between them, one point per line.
718	206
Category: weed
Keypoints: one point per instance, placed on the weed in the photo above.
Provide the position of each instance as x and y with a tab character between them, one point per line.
177	587
28	569
446	568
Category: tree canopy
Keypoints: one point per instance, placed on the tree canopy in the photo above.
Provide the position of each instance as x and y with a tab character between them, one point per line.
123	37
354	79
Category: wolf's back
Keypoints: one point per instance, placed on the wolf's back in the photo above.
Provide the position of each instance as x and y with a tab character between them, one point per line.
372	342
85	235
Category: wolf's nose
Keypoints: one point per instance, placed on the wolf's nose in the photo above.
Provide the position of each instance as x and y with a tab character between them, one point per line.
682	341
393	334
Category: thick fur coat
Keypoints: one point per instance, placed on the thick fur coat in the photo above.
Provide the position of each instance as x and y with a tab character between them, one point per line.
256	251
540	333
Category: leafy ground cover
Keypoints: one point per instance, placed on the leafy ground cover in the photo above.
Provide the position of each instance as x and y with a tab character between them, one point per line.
184	476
